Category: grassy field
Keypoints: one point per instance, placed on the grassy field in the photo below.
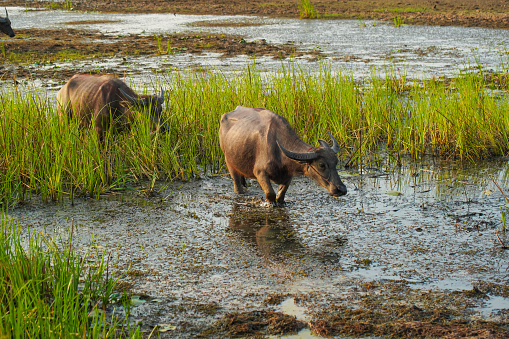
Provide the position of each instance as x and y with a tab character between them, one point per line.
43	154
48	291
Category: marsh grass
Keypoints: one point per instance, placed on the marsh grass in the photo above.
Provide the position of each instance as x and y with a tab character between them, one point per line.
43	154
48	291
307	10
398	20
160	48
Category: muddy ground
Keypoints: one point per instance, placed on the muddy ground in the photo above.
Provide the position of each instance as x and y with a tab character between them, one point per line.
46	46
472	13
411	252
43	47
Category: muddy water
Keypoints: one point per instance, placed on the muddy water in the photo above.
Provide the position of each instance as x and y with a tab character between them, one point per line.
201	251
358	47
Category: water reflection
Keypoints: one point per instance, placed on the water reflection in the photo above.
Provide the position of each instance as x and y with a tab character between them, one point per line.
442	179
271	232
268	230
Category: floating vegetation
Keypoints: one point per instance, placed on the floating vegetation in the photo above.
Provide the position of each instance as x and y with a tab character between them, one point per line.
255	323
407	313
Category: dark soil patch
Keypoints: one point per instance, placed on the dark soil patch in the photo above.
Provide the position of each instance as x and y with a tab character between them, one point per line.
72	44
473	13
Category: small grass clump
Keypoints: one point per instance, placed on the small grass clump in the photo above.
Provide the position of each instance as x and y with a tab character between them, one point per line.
307	10
48	291
398	20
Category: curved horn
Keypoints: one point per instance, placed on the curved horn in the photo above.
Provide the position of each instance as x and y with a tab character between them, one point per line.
335	144
6	14
308	156
133	100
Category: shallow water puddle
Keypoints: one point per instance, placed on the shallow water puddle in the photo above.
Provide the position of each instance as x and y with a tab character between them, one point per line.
495	303
289	307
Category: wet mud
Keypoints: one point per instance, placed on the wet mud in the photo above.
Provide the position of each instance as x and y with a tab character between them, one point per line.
412	251
33	49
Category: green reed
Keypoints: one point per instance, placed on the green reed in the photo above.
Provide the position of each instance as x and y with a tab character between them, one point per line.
48	291
43	154
307	10
398	20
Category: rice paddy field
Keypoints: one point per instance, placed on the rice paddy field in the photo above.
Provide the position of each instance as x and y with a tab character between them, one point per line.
140	234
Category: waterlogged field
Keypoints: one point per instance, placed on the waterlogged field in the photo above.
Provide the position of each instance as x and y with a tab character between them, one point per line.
50	156
141	235
418	237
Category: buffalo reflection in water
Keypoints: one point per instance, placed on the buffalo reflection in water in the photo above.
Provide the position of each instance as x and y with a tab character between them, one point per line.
270	231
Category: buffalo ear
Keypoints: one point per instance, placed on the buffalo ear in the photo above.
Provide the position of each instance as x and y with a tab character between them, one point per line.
301	157
323	143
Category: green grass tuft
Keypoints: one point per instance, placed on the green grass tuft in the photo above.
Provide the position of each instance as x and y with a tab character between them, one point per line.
307	11
47	290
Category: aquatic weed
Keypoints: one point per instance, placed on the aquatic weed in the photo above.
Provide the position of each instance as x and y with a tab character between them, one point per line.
503	208
398	20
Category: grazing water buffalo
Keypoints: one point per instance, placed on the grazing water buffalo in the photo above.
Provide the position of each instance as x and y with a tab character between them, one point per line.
258	143
5	25
101	100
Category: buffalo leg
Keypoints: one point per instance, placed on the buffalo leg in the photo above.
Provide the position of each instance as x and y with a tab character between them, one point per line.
282	191
238	179
264	182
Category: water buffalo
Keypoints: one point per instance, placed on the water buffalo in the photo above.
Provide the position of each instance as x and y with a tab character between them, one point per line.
104	99
5	25
258	143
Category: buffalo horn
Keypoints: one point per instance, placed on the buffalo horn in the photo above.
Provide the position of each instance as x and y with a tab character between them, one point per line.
6	14
161	97
308	156
133	100
335	144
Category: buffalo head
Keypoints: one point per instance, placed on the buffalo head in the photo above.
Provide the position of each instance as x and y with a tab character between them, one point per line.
154	105
321	165
5	25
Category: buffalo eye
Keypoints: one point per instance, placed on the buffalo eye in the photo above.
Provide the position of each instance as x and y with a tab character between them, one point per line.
322	166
